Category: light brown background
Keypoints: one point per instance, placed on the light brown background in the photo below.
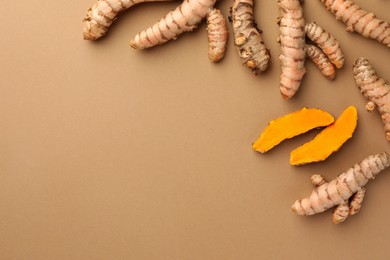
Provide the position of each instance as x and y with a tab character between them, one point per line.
111	153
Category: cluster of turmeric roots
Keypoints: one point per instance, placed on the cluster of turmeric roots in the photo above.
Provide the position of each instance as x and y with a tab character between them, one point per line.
249	44
298	40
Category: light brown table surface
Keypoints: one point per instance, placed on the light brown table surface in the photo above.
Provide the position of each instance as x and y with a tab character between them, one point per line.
111	153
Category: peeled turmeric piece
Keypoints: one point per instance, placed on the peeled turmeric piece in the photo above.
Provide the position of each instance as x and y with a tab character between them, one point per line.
291	125
328	141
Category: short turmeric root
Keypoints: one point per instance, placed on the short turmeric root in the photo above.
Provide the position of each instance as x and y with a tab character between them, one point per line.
346	192
186	17
328	44
247	39
217	35
375	89
292	46
328	140
322	62
359	20
291	125
103	13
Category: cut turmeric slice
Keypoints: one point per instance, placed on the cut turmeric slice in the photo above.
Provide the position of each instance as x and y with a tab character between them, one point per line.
291	125
328	141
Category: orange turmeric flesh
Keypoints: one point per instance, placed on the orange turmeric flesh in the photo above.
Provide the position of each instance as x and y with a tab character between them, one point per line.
291	125
328	141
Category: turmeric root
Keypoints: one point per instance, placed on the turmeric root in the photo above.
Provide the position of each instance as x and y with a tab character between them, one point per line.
328	140
375	89
103	13
339	191
292	46
291	125
184	18
328	44
247	39
359	20
217	35
322	62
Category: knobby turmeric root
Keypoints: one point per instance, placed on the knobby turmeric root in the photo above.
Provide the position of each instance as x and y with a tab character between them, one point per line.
328	140
292	46
184	18
291	125
247	39
103	13
217	35
359	20
346	192
328	44
322	62
375	89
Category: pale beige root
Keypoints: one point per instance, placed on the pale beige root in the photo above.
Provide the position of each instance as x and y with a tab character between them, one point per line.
359	20
341	189
292	46
186	17
103	13
217	35
247	39
317	180
375	89
340	213
322	62
328	44
356	202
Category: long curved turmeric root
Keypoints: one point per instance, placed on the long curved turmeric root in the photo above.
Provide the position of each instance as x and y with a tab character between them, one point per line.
292	46
328	140
322	62
103	13
340	192
184	18
291	125
217	35
247	39
328	44
375	89
359	20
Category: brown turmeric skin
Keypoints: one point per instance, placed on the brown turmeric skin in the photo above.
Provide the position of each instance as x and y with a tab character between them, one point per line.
103	13
375	89
359	20
292	46
247	39
328	44
217	35
346	192
321	61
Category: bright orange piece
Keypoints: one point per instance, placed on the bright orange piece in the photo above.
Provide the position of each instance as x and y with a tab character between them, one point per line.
291	125
328	141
